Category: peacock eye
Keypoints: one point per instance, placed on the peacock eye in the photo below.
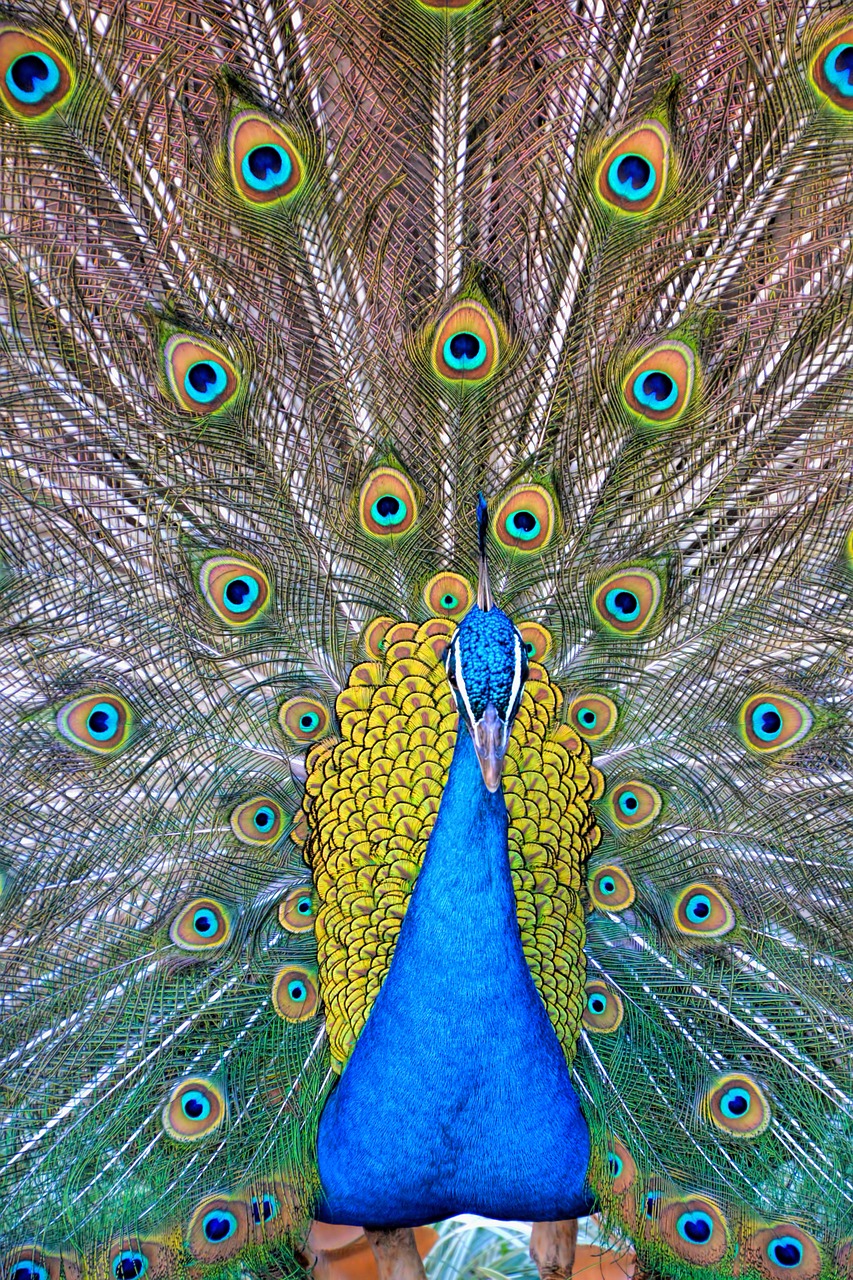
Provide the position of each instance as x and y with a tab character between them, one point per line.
771	721
832	70
737	1105
201	924
373	636
236	590
466	346
294	993
387	504
195	1109
695	1230
265	165
603	1010
218	1229
621	1170
264	1209
537	640
634	805
34	78
448	595
632	176
593	715
201	379
626	602
258	821
99	722
30	1267
701	910
785	1250
611	889
303	719
525	519
297	912
658	388
130	1264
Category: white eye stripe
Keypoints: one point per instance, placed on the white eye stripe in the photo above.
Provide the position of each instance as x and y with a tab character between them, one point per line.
460	686
516	684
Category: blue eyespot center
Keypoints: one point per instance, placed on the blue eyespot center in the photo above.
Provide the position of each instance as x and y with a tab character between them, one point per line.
266	167
622	604
631	177
655	389
698	908
607	885
766	722
838	67
28	1270
735	1103
651	1205
264	818
524	525
597	1003
696	1227
614	1164
297	991
195	1106
219	1226
205	380
389	510
587	717
129	1265
308	721
31	77
449	601
102	721
265	1209
464	351
204	923
786	1251
304	906
628	803
241	593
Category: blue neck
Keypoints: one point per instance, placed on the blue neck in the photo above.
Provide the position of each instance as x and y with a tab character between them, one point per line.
457	1097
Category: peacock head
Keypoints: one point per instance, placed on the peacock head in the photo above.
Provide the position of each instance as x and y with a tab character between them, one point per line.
487	666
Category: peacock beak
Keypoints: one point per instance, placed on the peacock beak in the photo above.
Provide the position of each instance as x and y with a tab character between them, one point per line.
491	735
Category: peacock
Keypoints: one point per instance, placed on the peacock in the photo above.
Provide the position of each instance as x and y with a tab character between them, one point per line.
426	587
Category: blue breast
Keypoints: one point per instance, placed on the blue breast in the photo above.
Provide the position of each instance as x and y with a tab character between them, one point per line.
457	1097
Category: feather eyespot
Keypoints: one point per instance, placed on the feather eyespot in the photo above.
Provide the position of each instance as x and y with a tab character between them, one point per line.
832	70
770	721
98	722
700	910
202	924
466	346
736	1105
34	78
448	595
265	165
294	993
632	176
621	1169
29	1262
659	387
258	821
536	639
525	519
201	379
130	1258
611	889
236	590
695	1230
387	505
196	1108
593	715
218	1229
783	1251
634	805
303	719
603	1010
374	635
627	601
298	911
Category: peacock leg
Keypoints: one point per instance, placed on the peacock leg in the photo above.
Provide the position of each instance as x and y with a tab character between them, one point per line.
552	1248
396	1254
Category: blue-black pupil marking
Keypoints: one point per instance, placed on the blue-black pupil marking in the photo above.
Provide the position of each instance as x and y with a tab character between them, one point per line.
630	802
607	885
657	385
267	1210
26	1271
787	1253
25	73
202	376
738	1104
697	1230
634	169
771	722
651	1201
388	505
297	991
700	908
193	1108
464	346
264	163
449	601
128	1268
626	601
99	722
217	1229
524	521
587	717
308	721
597	1004
304	906
531	648
614	1164
844	62
237	591
262	818
204	924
